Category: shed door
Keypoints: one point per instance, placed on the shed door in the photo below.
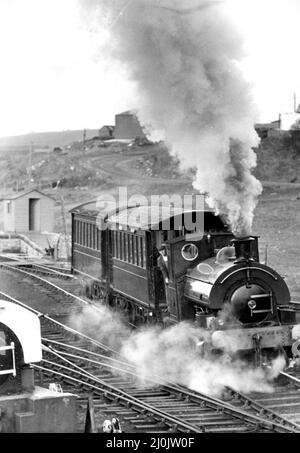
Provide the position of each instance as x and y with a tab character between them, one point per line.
34	214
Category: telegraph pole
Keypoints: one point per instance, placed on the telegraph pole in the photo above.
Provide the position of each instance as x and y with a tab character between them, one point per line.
65	230
30	165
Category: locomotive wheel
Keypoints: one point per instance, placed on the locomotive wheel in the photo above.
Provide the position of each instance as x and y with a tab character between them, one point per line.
122	304
88	290
99	292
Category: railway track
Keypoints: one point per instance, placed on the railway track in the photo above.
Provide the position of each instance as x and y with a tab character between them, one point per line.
60	283
87	367
52	280
285	400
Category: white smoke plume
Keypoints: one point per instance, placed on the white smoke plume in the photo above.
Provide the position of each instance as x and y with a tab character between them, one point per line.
184	58
101	324
173	354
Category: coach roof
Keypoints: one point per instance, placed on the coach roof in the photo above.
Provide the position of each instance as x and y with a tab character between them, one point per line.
135	216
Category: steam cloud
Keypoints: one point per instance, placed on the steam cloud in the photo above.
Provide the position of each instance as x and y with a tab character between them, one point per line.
173	354
185	62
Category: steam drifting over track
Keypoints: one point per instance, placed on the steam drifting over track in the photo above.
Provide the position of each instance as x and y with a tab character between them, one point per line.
88	367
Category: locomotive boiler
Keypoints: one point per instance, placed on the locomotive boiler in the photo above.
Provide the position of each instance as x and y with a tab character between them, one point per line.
160	271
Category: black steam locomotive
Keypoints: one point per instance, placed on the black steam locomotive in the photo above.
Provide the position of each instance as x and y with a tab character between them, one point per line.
158	270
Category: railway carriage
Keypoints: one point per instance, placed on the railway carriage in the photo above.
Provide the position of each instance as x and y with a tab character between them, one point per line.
157	266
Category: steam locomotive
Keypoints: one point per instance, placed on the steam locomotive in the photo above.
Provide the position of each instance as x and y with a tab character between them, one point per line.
158	270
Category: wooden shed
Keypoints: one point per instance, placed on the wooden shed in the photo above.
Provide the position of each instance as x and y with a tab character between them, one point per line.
27	211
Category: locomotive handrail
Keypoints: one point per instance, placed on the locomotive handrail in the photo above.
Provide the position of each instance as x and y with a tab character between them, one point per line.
248	268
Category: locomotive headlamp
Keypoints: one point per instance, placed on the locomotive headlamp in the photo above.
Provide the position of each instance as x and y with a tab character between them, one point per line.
252	304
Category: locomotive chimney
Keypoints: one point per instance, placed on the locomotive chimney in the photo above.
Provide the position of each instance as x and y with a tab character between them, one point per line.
243	249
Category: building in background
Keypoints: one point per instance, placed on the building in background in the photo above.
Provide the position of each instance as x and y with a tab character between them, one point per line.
128	126
28	211
106	132
290	119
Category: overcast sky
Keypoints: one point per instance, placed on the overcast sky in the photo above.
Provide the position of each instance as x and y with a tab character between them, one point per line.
52	76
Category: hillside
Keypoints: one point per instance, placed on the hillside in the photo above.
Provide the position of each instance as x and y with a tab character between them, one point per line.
41	139
278	158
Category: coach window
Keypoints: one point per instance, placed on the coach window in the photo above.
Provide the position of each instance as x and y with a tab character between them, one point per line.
120	250
137	246
81	233
119	245
98	233
114	236
141	251
96	237
77	232
113	242
135	249
89	235
129	257
93	236
130	248
124	248
123	243
85	234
